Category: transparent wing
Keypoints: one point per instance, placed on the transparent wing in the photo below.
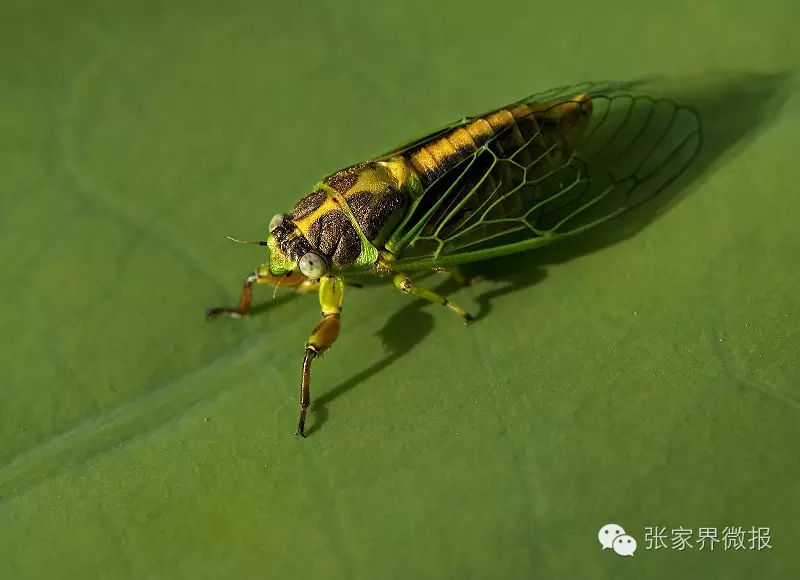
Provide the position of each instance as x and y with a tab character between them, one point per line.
540	180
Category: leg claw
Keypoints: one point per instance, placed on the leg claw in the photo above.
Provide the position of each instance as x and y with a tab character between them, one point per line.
214	312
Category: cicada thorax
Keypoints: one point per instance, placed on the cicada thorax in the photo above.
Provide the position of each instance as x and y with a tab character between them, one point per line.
518	151
370	197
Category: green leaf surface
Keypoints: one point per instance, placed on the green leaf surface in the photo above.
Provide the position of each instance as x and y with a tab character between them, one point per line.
646	374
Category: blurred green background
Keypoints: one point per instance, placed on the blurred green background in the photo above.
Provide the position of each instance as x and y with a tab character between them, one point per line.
649	382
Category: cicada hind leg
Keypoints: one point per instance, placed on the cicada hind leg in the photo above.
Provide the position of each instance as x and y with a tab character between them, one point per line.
459	277
403	283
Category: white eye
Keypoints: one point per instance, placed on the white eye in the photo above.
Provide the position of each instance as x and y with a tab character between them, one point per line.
276	221
313	265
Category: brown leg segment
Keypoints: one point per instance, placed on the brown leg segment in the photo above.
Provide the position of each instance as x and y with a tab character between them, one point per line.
263	275
305	391
244	301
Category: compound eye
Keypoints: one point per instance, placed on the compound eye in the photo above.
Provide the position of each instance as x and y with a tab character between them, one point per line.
276	221
313	265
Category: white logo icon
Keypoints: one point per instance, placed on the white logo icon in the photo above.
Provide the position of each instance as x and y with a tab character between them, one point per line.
624	545
613	536
608	533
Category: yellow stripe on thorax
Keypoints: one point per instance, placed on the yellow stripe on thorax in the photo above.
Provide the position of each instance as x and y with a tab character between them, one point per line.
330	204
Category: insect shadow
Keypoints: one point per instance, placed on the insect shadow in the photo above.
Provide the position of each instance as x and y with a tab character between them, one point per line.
734	108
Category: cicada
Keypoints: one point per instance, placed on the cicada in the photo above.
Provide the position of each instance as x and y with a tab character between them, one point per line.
542	169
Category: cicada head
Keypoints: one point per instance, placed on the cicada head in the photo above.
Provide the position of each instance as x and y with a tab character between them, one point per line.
292	259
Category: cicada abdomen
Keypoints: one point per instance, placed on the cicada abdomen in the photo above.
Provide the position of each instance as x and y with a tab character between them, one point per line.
511	158
538	170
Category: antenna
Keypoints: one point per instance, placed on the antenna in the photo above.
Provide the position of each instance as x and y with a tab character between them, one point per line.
259	243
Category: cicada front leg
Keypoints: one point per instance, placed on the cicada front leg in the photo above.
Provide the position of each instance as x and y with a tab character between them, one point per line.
262	275
244	300
403	283
331	295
